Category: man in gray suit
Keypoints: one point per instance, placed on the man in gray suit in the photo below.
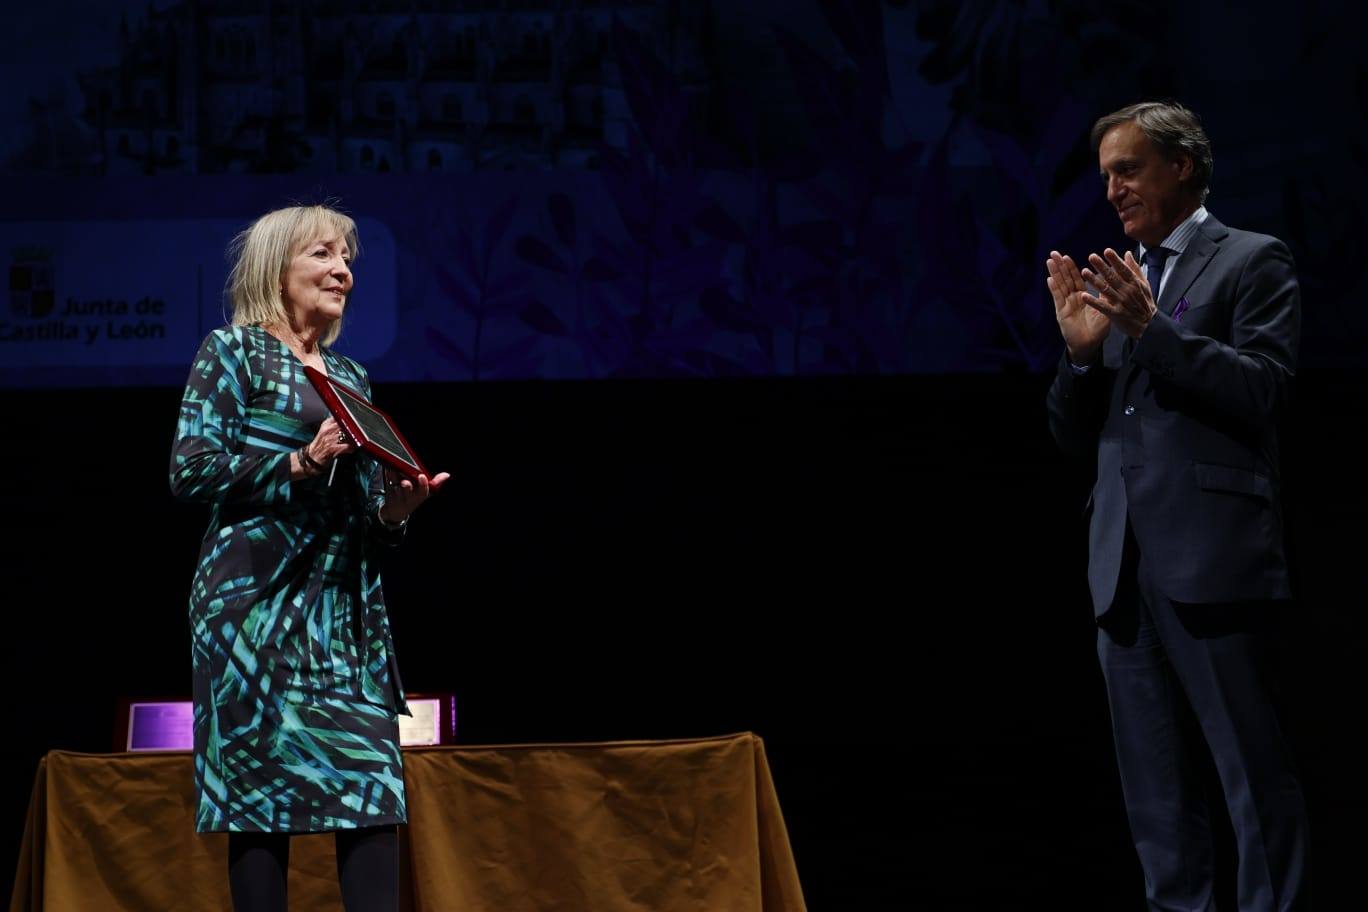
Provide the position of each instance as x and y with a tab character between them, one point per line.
1178	361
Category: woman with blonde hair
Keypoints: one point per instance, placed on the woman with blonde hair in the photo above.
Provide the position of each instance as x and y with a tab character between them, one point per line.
296	690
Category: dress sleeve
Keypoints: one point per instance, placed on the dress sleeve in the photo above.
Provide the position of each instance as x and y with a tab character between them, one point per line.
207	459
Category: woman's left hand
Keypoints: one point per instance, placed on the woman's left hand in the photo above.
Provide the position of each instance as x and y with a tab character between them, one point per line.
404	495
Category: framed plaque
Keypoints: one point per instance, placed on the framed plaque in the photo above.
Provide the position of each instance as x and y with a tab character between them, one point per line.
369	428
155	725
433	720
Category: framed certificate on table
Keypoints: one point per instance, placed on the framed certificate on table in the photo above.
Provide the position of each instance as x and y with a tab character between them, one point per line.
369	428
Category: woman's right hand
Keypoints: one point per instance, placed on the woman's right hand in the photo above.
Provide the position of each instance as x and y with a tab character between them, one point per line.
330	442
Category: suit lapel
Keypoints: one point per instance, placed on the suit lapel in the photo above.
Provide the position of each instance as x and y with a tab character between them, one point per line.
1203	247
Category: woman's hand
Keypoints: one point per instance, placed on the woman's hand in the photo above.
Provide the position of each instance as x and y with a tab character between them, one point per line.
403	496
330	442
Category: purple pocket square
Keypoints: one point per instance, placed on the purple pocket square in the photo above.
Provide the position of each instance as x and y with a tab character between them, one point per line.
1180	309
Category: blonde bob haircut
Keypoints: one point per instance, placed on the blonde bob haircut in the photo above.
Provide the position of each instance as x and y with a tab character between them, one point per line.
262	253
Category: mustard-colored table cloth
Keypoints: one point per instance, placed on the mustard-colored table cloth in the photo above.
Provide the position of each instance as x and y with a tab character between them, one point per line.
665	826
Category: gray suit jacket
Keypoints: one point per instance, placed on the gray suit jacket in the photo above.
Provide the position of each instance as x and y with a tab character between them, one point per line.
1183	425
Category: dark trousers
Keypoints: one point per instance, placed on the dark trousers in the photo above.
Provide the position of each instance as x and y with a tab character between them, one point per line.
1166	664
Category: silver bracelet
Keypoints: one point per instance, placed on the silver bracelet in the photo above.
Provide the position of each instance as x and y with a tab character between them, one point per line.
386	524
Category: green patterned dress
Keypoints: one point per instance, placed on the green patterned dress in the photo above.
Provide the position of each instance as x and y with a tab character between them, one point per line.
296	690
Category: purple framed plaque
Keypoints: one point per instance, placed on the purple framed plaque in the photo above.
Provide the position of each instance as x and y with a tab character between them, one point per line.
163	726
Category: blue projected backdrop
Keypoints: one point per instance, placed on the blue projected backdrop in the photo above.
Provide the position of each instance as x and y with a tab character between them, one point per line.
639	189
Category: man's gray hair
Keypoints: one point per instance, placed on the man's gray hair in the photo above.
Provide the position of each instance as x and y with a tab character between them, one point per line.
1171	127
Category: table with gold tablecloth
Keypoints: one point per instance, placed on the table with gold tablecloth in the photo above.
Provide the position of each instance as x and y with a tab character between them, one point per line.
659	825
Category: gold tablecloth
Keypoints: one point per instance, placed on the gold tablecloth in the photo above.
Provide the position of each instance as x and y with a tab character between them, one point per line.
646	825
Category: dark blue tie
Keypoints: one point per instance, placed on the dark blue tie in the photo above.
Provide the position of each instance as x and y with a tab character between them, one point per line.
1154	259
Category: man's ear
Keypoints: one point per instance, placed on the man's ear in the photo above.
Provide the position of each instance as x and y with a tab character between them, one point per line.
1182	166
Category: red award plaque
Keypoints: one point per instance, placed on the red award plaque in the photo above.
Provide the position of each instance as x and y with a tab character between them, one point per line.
369	428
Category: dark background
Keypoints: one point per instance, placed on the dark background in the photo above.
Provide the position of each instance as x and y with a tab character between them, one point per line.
878	568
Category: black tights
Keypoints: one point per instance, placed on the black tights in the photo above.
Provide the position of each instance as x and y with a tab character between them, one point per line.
367	870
